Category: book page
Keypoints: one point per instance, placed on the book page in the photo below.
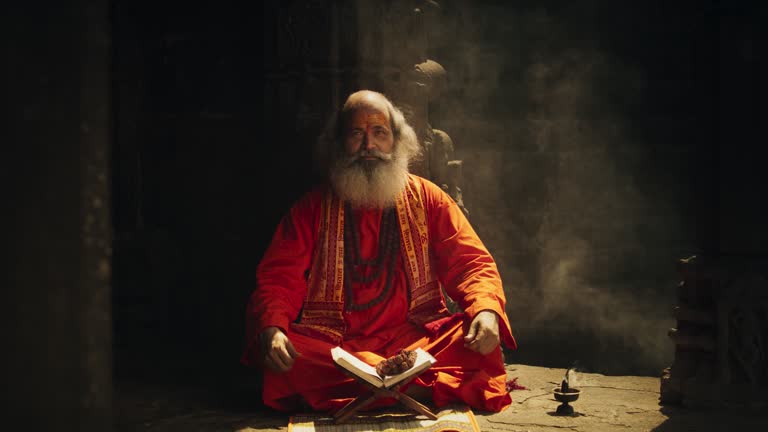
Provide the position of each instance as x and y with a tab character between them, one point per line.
356	366
424	361
367	372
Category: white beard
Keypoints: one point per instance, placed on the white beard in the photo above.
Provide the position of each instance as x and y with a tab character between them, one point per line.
370	183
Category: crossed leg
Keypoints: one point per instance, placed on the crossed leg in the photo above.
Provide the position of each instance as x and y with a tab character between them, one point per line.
459	375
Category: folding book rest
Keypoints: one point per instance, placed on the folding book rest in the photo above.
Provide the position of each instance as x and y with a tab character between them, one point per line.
379	392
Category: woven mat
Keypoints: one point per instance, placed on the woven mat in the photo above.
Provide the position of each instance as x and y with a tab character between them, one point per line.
460	419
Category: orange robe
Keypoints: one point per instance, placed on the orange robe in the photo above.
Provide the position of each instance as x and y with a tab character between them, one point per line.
464	267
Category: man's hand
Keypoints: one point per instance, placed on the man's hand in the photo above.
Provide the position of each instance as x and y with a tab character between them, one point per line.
483	334
279	353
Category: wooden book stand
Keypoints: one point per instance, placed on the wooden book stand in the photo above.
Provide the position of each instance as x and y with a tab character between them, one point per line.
374	393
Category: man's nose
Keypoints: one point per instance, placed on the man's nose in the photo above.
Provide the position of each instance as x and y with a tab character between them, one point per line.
368	141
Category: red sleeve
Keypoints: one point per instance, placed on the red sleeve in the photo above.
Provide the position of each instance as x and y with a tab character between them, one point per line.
464	266
281	283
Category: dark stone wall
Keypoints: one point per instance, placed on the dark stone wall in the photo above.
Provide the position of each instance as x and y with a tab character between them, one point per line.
189	178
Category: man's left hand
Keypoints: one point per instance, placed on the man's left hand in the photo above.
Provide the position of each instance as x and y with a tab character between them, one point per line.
483	334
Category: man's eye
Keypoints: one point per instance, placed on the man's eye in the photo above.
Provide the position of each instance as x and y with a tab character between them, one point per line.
356	134
381	133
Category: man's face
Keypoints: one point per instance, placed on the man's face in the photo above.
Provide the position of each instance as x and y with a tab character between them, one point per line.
371	170
368	130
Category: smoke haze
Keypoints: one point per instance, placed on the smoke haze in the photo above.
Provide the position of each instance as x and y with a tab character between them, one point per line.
562	183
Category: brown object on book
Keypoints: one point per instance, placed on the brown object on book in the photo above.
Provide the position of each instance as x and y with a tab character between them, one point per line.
398	363
378	386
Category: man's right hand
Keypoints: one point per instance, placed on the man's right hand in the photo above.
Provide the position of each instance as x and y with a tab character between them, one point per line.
279	353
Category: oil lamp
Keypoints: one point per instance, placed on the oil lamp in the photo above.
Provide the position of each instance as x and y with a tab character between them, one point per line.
565	394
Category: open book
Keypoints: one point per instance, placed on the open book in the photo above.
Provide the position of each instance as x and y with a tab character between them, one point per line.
367	372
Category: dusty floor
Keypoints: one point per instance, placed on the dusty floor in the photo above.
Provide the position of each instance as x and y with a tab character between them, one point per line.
607	403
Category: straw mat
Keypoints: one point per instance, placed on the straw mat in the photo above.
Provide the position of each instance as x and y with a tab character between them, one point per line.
454	418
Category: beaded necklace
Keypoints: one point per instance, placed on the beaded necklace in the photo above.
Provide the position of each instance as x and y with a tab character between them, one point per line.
356	269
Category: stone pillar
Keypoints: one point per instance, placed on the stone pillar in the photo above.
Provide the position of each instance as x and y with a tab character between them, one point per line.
56	371
721	353
95	296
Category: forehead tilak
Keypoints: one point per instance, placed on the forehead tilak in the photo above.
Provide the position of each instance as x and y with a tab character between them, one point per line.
363	119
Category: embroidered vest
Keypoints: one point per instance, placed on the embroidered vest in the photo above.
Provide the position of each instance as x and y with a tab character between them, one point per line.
322	314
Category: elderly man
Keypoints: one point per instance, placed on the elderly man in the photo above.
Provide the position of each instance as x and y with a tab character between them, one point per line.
359	262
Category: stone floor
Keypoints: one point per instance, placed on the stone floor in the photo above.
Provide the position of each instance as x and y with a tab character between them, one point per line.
606	403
